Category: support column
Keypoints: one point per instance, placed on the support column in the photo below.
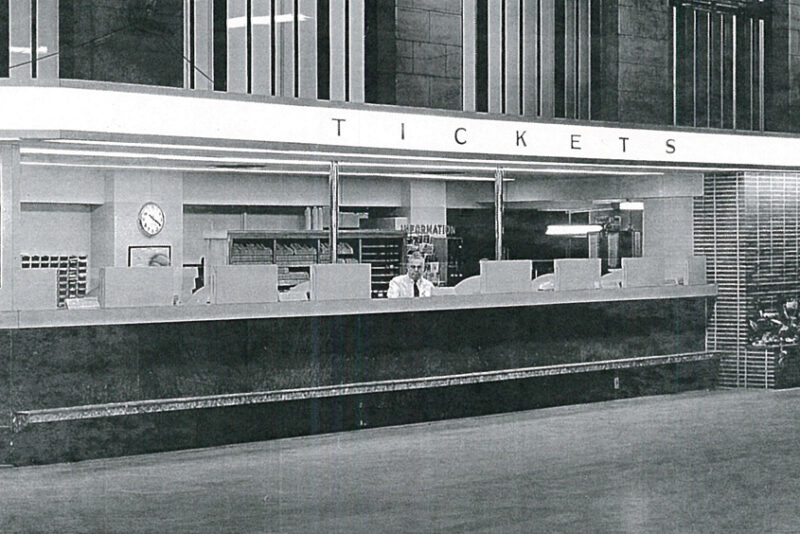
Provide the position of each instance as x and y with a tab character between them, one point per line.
355	51
238	55
203	46
9	200
425	202
261	32
425	205
47	39
307	49
338	51
468	40
530	58
495	58
20	40
547	46
498	213
333	185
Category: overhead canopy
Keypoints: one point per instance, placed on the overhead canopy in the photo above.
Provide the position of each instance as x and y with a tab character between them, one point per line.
106	128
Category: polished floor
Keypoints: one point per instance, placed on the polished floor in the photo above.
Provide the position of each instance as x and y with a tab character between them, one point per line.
723	461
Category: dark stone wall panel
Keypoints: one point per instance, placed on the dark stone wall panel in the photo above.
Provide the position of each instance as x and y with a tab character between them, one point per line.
446	94
79	440
644	51
413	25
87	365
6	384
430	59
428	36
443	6
446	28
127	41
653	23
644	56
413	90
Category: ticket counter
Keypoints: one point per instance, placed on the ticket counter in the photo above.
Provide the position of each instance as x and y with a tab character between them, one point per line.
126	256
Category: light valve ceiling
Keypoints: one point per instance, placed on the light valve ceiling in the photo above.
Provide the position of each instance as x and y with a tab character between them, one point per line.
250	158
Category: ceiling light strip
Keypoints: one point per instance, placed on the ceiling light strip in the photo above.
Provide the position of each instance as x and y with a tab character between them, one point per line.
228	170
175	157
339	155
266	161
171	168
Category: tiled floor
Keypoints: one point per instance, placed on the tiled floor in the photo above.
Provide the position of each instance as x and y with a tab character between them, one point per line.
724	461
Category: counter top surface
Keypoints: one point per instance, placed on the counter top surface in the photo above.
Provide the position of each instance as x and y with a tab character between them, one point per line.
221	312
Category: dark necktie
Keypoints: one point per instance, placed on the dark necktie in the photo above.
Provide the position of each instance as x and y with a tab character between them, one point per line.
416	290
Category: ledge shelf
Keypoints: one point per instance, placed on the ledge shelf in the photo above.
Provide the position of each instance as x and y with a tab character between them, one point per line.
217	312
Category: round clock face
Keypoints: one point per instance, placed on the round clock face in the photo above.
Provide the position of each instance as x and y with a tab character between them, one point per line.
151	219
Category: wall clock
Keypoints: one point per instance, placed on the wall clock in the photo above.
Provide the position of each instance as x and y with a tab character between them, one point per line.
151	219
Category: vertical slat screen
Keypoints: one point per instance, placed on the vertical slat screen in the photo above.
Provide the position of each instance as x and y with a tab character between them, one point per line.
468	42
722	43
742	88
495	56
530	52
337	50
702	72
714	75
281	54
728	70
203	45
512	53
47	39
570	67
237	46
684	61
284	48
356	50
187	44
537	57
760	55
262	27
755	85
584	86
19	37
547	25
307	49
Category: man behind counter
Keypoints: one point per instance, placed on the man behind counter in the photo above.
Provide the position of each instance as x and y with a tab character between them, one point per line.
411	284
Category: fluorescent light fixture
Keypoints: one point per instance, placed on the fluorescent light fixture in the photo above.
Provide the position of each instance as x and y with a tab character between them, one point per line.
628	205
572	229
223	170
462	163
252	171
169	157
265	20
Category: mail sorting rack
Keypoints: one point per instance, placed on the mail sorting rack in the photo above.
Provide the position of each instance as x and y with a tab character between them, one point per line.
71	272
295	251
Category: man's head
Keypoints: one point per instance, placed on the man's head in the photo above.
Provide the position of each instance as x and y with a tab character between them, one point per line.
416	264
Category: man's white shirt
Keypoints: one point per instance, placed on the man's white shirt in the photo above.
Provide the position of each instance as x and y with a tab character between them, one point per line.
403	287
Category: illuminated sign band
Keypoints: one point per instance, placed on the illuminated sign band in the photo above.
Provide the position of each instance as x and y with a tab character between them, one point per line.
194	117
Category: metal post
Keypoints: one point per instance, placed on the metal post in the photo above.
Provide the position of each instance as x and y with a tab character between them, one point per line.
498	213
333	183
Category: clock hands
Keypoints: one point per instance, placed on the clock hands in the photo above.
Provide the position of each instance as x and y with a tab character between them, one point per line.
151	219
